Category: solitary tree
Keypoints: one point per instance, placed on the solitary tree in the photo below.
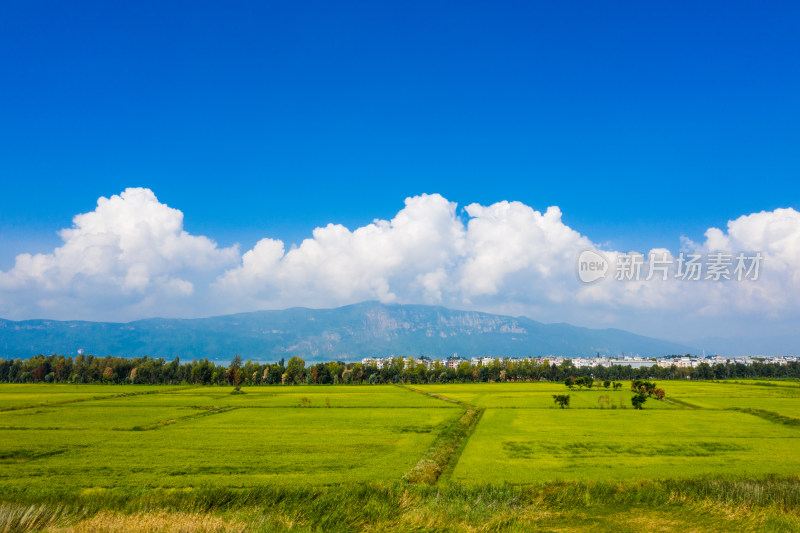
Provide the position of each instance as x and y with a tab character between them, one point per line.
638	400
561	400
569	382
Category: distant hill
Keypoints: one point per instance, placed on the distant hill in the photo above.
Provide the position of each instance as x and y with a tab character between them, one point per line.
344	333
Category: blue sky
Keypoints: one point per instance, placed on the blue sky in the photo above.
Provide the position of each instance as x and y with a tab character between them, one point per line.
642	123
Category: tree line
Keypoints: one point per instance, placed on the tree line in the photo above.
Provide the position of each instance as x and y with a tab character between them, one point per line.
148	370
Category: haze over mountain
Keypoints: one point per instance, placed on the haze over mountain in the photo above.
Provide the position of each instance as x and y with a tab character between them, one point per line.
344	333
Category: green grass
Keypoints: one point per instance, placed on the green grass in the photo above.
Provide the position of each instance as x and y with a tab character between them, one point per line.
535	396
780	397
710	505
377	396
498	457
17	396
525	445
160	440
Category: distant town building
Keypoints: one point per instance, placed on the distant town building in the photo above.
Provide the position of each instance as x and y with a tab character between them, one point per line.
584	362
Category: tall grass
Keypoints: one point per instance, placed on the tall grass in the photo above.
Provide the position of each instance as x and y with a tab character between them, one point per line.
397	506
445	450
18	517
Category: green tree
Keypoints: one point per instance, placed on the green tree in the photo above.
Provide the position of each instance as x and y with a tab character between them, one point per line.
703	371
234	373
643	386
464	372
295	370
561	400
638	400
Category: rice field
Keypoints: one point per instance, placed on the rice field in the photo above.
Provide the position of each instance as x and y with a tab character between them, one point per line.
423	457
529	445
208	436
19	396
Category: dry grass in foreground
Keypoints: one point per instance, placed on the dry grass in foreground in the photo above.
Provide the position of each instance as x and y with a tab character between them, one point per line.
156	522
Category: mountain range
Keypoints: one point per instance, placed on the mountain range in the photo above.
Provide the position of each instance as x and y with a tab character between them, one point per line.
345	333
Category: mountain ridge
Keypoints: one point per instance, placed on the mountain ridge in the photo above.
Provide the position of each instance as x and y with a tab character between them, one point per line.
346	333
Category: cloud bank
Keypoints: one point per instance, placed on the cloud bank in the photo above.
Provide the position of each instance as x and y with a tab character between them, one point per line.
131	252
131	258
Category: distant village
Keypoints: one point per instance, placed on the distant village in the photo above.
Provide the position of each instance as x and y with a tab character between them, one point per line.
685	361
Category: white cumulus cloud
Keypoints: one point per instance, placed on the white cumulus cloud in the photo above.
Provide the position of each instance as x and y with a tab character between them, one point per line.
426	253
131	258
509	257
399	259
131	248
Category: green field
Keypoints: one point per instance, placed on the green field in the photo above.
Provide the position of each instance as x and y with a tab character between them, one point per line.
523	437
711	456
534	395
16	396
526	445
206	436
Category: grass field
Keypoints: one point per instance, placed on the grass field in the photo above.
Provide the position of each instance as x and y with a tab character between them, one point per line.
18	396
471	457
780	397
207	436
534	396
526	445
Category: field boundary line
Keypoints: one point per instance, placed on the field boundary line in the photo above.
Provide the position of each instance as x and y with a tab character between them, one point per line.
439	397
687	405
295	406
679	403
440	459
790	383
162	423
90	399
770	416
451	465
